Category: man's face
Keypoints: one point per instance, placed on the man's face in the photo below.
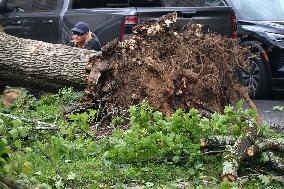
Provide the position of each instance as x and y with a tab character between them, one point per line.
78	37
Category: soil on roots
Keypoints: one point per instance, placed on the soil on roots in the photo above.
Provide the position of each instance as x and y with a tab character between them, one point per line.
169	69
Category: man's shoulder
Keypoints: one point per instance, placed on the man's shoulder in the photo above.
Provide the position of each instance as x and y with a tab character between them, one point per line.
93	44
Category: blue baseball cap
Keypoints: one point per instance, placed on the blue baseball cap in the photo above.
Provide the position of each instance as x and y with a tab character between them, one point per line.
81	27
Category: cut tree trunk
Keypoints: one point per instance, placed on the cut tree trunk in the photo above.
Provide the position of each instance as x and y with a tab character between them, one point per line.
235	154
40	65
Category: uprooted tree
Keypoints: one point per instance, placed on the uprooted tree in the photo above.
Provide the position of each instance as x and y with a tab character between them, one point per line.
169	69
39	65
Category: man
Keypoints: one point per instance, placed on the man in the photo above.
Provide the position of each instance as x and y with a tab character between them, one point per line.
83	38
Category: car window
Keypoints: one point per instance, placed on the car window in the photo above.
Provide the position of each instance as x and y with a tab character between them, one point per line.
44	5
214	3
184	3
145	3
264	10
18	5
79	4
31	5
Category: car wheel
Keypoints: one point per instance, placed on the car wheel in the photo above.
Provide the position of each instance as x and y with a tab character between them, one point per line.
255	77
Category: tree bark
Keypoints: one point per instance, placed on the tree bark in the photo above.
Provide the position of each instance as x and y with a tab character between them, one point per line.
12	184
235	154
275	162
40	65
217	141
266	144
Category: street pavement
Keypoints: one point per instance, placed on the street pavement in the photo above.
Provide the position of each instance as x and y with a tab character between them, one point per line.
275	118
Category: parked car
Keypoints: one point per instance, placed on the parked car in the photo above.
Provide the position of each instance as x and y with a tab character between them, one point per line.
260	25
52	20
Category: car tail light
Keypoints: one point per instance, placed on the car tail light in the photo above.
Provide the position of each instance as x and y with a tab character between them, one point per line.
234	26
127	24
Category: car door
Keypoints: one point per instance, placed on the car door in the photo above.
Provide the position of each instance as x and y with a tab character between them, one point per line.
12	18
45	18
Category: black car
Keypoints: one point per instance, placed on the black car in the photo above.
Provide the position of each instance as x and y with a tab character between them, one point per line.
260	25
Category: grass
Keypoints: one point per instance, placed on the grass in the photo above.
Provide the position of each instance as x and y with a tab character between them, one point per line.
104	172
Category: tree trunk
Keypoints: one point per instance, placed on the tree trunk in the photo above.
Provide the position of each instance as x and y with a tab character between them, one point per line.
40	65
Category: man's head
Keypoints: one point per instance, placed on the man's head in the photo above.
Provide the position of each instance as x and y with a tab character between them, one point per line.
80	31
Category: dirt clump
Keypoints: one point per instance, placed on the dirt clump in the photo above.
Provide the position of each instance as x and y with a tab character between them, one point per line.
169	69
10	95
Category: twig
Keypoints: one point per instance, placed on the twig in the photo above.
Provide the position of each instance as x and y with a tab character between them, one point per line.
88	134
53	164
247	178
215	152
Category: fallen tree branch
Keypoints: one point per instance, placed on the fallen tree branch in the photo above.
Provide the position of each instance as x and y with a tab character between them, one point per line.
266	144
279	179
235	154
275	162
217	141
13	184
40	125
248	178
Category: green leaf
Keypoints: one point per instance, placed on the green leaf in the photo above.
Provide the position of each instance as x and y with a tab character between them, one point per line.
85	127
264	157
18	144
92	113
71	176
2	126
59	184
264	179
27	168
149	184
278	108
14	133
44	186
94	186
4	140
191	171
176	159
17	123
38	173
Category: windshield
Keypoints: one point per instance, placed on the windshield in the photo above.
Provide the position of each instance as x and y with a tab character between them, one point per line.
262	10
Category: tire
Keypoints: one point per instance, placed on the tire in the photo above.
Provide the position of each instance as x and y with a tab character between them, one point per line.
256	77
